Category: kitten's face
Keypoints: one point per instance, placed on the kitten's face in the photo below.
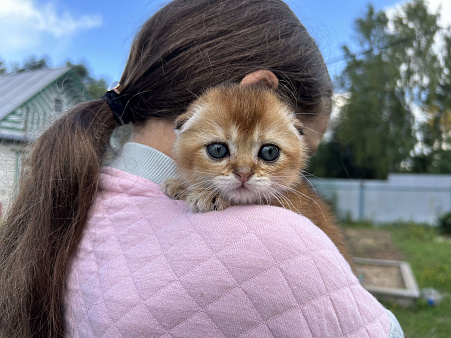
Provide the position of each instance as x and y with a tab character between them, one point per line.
242	142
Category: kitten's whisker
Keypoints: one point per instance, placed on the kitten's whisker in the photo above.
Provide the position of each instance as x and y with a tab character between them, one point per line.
259	196
304	195
204	183
312	175
313	130
286	199
265	197
284	202
310	183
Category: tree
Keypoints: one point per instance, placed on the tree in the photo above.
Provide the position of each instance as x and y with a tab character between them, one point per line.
32	63
96	88
376	123
436	131
2	68
400	75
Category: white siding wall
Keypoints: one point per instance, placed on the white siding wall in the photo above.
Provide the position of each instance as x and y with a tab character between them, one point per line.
8	172
403	197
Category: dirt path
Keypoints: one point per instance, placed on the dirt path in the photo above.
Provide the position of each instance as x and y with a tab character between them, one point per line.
372	243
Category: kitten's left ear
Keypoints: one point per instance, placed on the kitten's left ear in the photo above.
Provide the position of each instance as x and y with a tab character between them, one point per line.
263	76
181	121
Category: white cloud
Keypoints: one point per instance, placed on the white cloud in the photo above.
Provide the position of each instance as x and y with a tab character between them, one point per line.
445	10
441	6
24	24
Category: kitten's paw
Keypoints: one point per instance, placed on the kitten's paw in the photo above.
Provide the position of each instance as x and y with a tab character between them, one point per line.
173	188
199	203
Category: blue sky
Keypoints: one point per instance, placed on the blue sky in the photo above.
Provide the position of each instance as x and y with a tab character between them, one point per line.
99	32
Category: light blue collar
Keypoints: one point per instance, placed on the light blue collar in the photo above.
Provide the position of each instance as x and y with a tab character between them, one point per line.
138	159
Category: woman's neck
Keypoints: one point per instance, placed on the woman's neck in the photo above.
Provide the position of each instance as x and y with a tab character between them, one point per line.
158	134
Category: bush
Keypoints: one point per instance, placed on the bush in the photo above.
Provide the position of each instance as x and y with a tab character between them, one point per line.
444	223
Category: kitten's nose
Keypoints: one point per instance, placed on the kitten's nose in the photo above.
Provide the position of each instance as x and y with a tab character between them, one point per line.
243	176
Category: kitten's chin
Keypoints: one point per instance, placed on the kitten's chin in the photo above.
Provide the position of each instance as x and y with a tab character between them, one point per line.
243	195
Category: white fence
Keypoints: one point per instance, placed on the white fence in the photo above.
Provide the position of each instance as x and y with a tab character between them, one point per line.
402	197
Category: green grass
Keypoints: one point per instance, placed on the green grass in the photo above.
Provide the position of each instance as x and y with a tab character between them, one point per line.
430	258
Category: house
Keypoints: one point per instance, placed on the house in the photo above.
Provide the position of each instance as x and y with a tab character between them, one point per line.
29	103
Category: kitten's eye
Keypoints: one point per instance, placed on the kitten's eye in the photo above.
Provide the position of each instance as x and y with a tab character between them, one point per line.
217	150
269	153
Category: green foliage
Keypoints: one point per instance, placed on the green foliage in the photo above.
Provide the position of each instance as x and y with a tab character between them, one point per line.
32	63
444	223
400	71
2	68
335	159
96	88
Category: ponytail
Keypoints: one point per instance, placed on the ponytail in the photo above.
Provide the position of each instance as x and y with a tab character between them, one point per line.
44	225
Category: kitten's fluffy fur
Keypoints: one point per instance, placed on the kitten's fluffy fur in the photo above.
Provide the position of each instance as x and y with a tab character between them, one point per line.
245	119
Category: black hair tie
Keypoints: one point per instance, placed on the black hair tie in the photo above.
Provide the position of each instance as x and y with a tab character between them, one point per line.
117	107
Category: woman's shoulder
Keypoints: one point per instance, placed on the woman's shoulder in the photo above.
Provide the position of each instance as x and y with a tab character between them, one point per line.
119	181
271	224
247	269
280	257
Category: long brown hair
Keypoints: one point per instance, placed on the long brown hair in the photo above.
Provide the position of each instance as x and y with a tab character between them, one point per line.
186	47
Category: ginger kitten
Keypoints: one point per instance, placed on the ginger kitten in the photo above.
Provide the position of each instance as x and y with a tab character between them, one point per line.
243	145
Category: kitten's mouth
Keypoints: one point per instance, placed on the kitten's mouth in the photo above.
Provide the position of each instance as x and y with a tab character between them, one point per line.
240	192
242	187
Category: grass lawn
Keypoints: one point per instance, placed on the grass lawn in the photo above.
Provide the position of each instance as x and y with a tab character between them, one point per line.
429	255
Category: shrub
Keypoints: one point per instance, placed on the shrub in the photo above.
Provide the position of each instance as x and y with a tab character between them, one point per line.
444	223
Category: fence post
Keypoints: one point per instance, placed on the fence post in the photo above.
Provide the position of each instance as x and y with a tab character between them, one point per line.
361	200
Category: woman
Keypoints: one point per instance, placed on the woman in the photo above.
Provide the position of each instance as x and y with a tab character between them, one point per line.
85	253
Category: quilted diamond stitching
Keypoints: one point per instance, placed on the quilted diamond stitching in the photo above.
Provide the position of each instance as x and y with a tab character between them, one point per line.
85	315
172	306
219	279
134	284
121	252
163	253
367	323
349	315
274	266
112	323
265	271
328	292
225	248
231	275
300	307
286	282
191	328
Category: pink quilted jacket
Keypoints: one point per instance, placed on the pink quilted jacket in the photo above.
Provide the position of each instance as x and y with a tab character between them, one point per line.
148	267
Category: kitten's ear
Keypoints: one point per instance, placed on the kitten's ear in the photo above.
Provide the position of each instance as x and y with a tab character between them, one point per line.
181	121
263	76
